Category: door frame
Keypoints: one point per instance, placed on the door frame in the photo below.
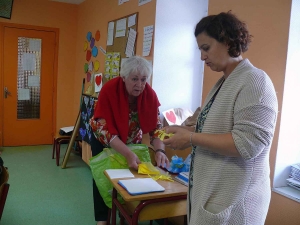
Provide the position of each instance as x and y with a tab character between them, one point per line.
55	70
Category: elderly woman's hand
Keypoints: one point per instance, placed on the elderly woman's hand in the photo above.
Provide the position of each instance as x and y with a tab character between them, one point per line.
161	159
132	160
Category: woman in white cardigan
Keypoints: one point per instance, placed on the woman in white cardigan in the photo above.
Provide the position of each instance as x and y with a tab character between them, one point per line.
229	174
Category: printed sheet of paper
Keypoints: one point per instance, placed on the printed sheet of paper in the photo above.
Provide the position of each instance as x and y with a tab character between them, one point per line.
110	33
119	173
28	61
23	94
121	27
33	81
131	20
147	43
143	2
130	42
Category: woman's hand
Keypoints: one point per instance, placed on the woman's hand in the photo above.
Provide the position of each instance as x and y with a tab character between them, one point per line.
161	159
132	160
180	138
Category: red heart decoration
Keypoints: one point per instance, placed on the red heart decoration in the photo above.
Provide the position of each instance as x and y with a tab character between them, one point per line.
171	116
98	80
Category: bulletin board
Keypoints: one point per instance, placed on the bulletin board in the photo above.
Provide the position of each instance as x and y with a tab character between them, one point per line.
119	43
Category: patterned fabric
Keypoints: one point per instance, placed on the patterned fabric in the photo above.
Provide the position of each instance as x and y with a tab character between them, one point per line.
236	190
135	134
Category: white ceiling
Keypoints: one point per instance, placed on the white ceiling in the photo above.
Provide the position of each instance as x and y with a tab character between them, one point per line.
77	2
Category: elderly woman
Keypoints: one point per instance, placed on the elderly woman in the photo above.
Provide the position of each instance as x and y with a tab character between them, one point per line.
127	108
229	173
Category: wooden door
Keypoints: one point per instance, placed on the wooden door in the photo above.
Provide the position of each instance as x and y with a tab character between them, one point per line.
28	86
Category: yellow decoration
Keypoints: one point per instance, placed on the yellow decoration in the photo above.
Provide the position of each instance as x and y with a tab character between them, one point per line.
147	168
165	177
153	172
96	65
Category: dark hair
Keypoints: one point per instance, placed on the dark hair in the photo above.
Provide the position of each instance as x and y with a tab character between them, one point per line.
226	28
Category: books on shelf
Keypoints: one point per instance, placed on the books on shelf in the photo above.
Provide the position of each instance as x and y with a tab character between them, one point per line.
140	186
183	178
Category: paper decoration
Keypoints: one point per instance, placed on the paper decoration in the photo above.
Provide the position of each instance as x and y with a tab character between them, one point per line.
86	67
88	76
97	35
91	66
89	36
88	55
96	65
94	51
92	42
98	82
171	117
147	43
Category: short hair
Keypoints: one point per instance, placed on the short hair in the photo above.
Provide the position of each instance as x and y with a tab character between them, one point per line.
226	28
136	64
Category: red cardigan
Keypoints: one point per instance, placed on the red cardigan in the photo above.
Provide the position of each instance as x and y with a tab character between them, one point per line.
113	106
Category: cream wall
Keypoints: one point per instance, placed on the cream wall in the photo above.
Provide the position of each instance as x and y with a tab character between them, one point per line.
268	21
64	17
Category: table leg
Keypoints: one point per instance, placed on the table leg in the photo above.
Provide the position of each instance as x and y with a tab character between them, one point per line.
114	208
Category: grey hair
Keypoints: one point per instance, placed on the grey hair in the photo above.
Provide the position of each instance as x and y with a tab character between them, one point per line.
136	64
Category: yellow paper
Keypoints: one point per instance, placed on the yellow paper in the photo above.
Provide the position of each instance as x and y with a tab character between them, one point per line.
163	135
147	168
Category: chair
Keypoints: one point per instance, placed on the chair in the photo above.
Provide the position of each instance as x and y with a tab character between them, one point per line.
4	187
57	141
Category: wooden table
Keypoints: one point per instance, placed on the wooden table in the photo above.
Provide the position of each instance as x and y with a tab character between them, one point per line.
152	206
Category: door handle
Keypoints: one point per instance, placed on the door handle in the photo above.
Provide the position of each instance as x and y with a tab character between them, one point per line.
6	92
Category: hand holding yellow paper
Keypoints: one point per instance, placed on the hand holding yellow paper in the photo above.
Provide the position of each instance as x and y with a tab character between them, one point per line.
162	135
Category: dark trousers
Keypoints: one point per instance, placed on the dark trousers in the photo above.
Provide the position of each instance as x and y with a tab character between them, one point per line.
100	208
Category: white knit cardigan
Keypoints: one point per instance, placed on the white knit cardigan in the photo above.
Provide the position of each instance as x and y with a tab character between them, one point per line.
246	106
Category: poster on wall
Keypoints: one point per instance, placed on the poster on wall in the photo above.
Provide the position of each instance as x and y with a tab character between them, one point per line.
98	82
147	42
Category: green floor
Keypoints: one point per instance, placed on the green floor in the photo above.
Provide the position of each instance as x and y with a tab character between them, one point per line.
42	193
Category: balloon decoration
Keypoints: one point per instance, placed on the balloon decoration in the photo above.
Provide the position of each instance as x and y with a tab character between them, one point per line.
91	52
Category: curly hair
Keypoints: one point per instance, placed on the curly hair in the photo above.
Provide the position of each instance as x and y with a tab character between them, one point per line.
226	28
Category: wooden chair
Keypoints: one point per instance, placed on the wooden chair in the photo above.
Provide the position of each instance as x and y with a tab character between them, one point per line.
57	141
4	187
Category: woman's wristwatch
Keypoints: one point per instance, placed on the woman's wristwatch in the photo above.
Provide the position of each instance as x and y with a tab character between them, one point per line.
160	150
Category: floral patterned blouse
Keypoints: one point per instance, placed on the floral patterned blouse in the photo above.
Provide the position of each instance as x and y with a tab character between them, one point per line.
135	134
